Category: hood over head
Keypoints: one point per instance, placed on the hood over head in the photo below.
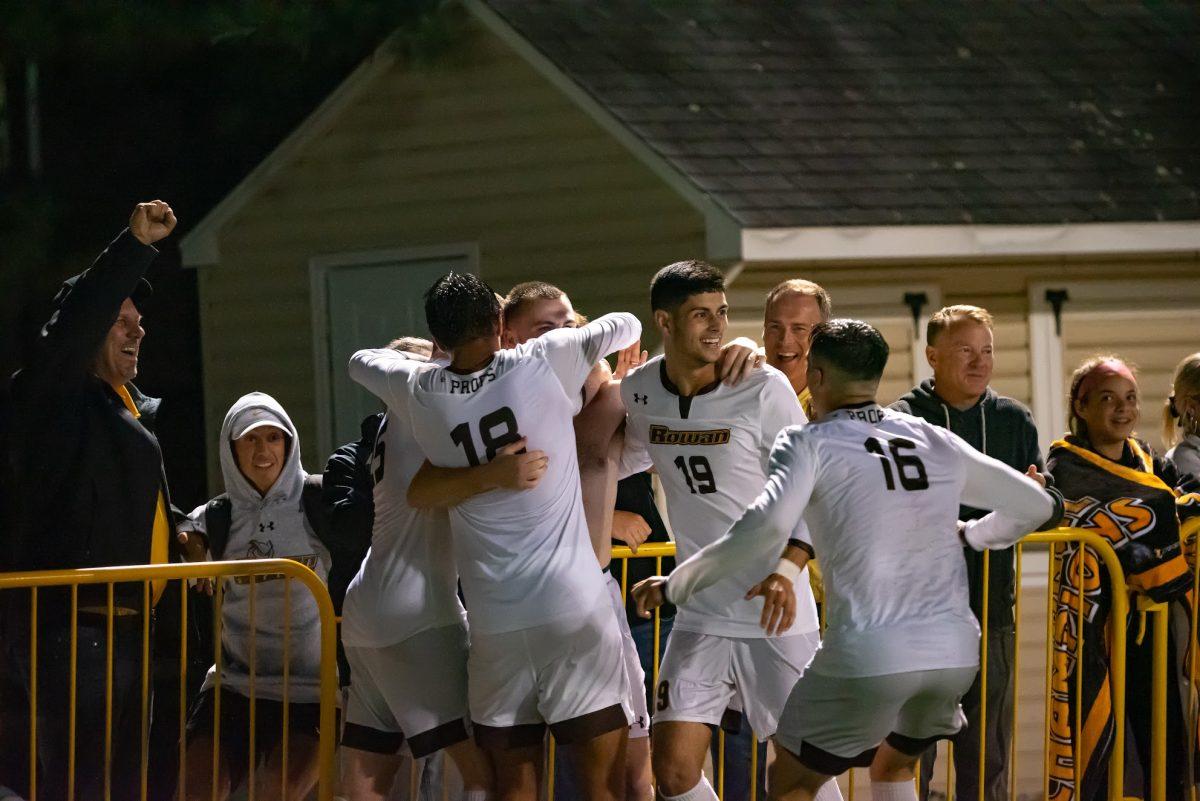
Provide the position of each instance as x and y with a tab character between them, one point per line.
251	411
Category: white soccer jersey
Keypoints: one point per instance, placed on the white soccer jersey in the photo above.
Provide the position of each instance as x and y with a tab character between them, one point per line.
710	451
524	557
407	583
880	491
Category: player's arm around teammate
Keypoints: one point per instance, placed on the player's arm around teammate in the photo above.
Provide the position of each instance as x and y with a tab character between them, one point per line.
812	468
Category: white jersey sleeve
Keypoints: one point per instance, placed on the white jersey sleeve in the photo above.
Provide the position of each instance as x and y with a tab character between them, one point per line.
385	373
1020	504
572	352
774	516
780	409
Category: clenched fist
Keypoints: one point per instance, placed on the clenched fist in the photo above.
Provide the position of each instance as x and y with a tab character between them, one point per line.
151	221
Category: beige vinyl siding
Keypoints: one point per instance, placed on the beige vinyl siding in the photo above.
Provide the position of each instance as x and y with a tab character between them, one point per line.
999	285
1153	331
475	147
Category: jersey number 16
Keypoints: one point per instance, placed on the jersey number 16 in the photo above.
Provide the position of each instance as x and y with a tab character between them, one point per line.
909	466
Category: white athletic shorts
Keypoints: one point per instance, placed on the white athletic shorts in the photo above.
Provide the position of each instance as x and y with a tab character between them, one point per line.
634	674
415	689
568	673
833	724
703	675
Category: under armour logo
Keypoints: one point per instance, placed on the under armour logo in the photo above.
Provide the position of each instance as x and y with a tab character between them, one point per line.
639	398
269	526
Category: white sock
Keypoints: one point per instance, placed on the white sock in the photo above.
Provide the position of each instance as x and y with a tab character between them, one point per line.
894	791
703	791
475	795
829	792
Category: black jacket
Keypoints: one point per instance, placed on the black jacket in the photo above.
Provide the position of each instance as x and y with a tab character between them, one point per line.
1003	429
348	493
85	473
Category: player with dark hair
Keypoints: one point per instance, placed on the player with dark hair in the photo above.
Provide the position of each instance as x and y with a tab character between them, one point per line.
460	307
709	443
880	491
545	647
530	310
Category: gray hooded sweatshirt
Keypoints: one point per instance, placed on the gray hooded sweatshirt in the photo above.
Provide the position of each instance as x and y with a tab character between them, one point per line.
1186	455
270	526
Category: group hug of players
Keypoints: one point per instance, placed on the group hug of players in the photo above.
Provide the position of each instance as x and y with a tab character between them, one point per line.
495	470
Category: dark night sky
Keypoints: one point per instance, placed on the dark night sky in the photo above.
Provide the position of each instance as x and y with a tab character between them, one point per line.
175	101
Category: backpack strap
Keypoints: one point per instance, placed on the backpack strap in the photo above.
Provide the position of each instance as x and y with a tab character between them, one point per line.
218	518
315	508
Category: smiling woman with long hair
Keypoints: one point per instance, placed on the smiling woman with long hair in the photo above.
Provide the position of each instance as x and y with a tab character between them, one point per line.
1115	486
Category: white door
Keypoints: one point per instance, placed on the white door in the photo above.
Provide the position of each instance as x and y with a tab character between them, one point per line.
366	301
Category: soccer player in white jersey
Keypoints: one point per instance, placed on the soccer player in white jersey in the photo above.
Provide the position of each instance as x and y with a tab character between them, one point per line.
709	443
880	491
531	309
404	628
545	647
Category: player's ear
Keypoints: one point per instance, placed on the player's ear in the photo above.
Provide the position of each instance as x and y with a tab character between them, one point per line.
662	318
931	356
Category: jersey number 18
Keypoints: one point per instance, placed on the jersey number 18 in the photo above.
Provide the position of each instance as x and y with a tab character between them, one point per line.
496	429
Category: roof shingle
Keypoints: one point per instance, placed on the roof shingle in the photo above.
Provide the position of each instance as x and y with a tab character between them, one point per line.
833	113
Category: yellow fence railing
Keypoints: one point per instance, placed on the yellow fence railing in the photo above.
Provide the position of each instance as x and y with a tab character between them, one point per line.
1060	666
1054	541
253	570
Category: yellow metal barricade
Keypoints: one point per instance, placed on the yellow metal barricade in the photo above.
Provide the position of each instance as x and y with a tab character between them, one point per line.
659	551
217	572
1119	613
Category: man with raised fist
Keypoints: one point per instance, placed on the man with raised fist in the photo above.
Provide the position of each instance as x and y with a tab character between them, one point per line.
89	491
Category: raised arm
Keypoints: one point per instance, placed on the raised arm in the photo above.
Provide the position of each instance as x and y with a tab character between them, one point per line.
1020	504
385	373
69	340
572	352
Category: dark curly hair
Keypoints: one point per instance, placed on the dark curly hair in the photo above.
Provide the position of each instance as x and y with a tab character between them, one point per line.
460	307
851	347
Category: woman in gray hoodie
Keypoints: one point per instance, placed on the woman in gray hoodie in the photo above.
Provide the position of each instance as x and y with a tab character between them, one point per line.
260	516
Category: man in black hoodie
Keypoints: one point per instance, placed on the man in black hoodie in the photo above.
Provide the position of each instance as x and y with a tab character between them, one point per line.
959	349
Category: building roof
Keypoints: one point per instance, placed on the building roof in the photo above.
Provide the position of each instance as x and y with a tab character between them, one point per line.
825	112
